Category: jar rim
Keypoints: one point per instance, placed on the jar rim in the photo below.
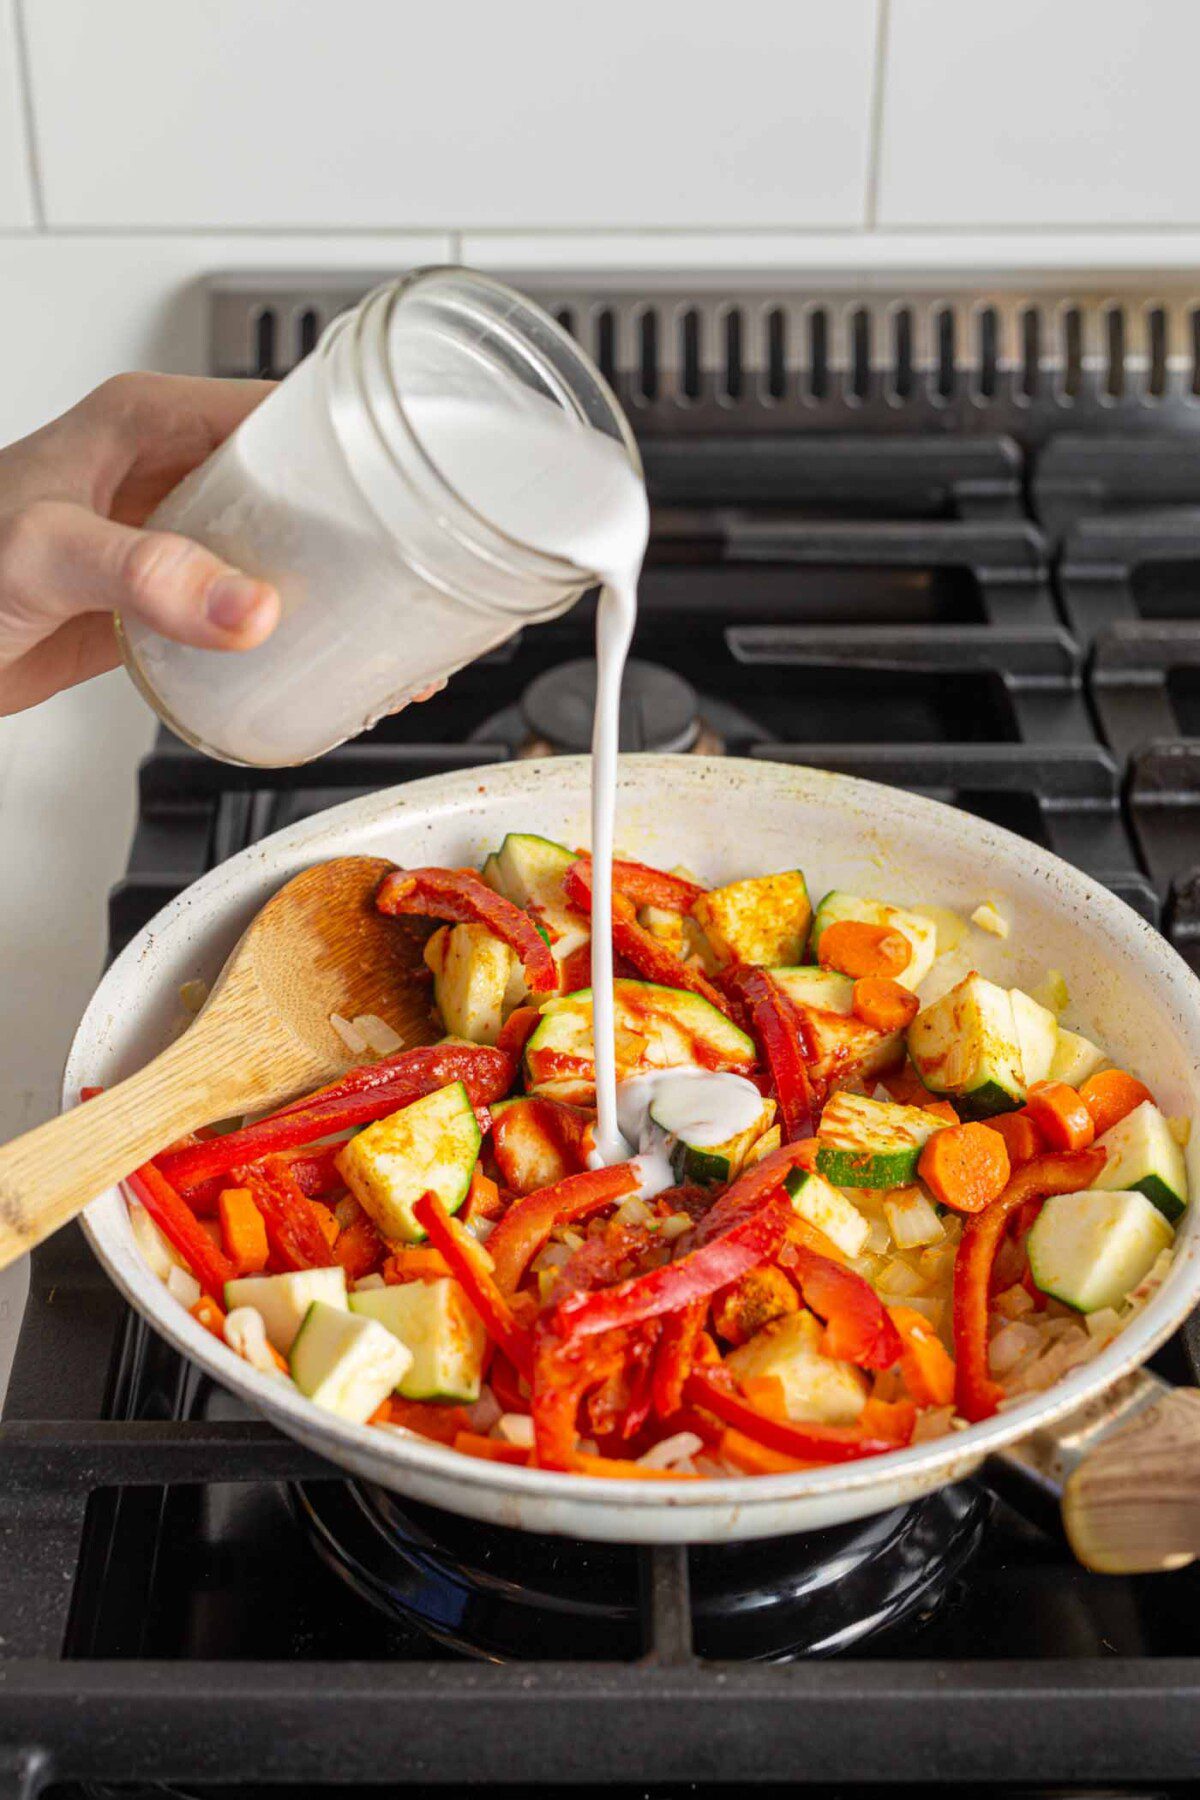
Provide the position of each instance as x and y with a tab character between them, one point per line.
403	289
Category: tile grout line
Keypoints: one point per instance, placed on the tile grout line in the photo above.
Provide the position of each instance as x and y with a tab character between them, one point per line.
33	163
876	116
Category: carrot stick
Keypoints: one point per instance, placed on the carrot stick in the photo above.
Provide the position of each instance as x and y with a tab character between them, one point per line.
416	1262
1020	1135
755	1458
211	1267
242	1230
471	1443
927	1368
1110	1096
883	1003
618	1469
965	1166
1059	1115
855	948
206	1312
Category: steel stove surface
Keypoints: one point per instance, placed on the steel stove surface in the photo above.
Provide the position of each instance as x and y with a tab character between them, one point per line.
189	1599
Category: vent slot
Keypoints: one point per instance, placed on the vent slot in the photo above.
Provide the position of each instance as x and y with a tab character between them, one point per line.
903	380
818	353
860	354
264	343
1114	350
1072	353
946	379
648	355
606	344
690	384
1195	324
566	318
308	330
1156	331
732	377
776	353
987	380
1031	353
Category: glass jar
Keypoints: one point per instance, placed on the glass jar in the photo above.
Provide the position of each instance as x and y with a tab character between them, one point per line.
356	489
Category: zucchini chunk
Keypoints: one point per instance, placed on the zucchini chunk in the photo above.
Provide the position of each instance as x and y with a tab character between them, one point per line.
346	1364
814	1199
763	920
845	1046
815	1387
864	1143
1075	1058
657	1028
708	1165
436	1322
528	870
431	1145
471	975
921	933
966	1044
1091	1249
1037	1035
283	1300
1142	1154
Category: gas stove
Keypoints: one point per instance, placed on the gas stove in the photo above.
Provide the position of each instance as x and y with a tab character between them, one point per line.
946	541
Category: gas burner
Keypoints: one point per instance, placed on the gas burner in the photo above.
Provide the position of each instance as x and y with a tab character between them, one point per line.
659	711
505	1595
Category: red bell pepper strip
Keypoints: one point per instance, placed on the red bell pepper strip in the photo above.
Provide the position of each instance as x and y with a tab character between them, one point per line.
786	1049
675	1353
517	1030
461	895
562	1373
977	1396
749	1240
712	1389
857	1326
466	1260
528	1222
648	955
291	1218
360	1096
756	1185
644	886
175	1219
504	1382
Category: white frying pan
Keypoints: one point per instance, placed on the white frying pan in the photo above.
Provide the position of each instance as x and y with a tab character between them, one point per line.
724	819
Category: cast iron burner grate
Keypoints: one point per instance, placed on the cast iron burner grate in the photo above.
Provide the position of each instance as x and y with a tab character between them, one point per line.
879	606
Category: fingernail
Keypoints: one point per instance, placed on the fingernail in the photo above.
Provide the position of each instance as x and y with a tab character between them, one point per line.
232	602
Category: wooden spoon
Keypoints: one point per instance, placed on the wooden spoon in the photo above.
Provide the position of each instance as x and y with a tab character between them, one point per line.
316	948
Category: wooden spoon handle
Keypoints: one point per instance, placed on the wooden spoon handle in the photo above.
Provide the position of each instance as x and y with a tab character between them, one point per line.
1132	1505
52	1172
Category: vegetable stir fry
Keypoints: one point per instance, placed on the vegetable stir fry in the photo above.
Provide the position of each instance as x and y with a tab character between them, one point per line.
850	1218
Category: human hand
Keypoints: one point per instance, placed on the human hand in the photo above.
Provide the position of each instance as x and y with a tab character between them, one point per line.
71	498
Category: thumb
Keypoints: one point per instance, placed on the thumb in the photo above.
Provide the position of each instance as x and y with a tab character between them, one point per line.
58	560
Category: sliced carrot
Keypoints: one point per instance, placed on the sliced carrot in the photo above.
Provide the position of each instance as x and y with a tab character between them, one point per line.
1020	1135
855	948
757	1459
892	1419
616	1468
483	1198
429	1418
243	1230
766	1392
417	1263
209	1314
327	1220
965	1167
941	1109
1110	1096
925	1364
1059	1115
883	1003
906	1087
359	1247
471	1443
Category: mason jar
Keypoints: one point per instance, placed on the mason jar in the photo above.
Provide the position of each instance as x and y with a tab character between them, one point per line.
361	489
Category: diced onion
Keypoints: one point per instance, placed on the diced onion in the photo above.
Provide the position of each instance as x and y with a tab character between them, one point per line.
899	1279
676	1449
1014	1302
913	1219
930	1306
988	918
516	1428
1181	1130
378	1034
1013	1341
674	1226
879	1239
1104	1324
184	1286
934	1422
633	1211
350	1035
246	1333
484	1412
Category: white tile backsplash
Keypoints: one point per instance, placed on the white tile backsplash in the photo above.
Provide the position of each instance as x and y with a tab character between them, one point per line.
16	195
369	114
1040	113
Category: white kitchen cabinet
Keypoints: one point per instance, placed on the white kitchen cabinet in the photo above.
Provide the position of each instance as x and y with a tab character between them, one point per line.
16	196
385	113
1040	113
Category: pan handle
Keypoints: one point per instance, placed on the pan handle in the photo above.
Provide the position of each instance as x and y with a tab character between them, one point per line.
1126	1469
